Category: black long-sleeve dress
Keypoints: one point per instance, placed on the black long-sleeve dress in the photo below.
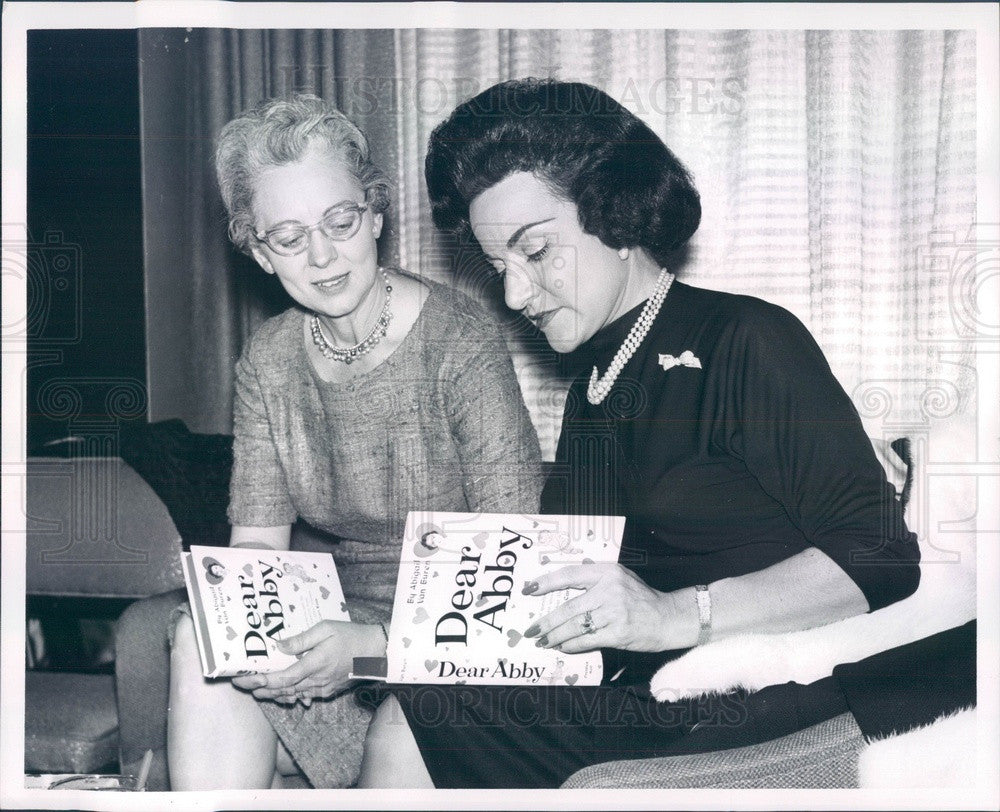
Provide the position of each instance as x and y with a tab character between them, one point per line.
741	455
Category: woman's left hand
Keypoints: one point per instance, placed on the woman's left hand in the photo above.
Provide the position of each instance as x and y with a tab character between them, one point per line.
624	612
326	653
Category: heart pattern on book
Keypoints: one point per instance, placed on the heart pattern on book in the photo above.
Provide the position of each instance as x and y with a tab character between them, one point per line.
439	597
305	588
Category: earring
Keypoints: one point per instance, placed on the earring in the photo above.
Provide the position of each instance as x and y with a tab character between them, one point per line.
623	254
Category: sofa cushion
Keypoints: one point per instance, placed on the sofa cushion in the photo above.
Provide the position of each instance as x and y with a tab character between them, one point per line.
71	722
819	757
95	528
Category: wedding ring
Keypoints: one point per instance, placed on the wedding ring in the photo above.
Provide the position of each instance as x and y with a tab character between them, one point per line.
588	623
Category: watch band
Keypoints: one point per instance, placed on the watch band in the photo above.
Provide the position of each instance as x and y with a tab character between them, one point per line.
704	601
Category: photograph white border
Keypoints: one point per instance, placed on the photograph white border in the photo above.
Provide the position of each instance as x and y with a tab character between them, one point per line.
18	18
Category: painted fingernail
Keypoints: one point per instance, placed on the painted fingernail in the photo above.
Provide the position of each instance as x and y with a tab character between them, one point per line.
532	630
529	587
542	641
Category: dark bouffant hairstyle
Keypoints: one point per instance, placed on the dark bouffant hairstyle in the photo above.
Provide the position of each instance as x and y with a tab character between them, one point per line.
629	188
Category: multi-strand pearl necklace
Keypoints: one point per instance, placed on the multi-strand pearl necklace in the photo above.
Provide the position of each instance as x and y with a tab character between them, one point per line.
599	388
349	354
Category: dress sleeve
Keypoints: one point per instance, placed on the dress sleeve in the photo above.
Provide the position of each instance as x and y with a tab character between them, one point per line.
496	440
803	440
258	492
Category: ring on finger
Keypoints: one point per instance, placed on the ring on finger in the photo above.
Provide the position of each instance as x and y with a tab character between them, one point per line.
588	623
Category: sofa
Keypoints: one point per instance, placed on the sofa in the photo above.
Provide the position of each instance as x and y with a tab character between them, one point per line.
189	474
98	538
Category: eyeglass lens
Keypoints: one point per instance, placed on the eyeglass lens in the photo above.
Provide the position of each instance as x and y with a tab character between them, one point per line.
336	225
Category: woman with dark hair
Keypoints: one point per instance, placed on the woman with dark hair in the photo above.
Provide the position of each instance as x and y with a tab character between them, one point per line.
712	422
377	393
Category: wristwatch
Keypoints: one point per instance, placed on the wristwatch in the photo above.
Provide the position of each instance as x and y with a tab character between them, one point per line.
704	601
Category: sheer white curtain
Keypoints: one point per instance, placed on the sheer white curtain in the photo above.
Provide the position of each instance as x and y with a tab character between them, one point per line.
836	168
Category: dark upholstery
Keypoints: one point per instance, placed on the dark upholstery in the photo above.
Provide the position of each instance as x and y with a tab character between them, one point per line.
189	472
823	756
95	530
71	722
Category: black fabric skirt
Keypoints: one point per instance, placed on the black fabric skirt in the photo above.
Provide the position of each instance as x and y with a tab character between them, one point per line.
526	737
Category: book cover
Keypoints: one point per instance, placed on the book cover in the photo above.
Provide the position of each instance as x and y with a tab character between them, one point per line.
459	616
244	600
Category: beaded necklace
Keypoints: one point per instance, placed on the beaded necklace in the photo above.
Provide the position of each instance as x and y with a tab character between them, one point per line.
598	389
349	354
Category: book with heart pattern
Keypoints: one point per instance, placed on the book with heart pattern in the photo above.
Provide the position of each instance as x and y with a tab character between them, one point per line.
244	600
459	615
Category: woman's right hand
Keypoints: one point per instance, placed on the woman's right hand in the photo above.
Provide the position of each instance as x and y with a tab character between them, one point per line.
623	611
326	655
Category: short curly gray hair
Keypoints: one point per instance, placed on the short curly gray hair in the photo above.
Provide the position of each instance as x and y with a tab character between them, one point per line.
280	131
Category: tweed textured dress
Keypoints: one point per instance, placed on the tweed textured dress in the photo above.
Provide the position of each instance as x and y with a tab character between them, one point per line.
439	425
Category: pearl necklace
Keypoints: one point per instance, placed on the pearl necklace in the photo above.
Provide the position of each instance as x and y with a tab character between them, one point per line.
349	354
598	389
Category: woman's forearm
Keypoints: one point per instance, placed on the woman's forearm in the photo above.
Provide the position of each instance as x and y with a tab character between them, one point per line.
273	538
801	592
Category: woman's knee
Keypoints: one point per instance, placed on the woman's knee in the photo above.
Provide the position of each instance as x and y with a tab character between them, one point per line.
183	642
387	720
392	757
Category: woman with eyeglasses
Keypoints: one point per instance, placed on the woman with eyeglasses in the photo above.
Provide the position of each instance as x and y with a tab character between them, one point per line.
379	392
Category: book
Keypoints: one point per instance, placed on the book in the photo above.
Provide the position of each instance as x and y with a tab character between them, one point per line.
459	615
244	600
